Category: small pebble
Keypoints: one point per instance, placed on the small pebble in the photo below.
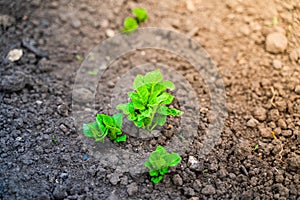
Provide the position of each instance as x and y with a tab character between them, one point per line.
276	42
244	170
297	89
252	123
85	157
277	64
193	162
76	23
109	33
14	55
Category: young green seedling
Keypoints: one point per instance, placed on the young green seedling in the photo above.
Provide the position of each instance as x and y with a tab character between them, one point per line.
159	162
131	24
147	108
105	125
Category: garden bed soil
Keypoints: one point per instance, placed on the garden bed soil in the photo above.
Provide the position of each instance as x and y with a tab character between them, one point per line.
44	156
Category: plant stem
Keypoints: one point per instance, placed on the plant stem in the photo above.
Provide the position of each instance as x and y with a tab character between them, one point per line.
149	128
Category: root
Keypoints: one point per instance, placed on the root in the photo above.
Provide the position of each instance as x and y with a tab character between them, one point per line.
273	96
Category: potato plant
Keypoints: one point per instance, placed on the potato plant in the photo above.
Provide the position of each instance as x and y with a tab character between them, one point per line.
148	105
159	162
105	125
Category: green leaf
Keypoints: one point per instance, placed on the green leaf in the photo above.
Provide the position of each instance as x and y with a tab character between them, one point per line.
167	84
160	120
124	108
89	128
130	25
92	130
138	81
156	179
143	93
153	77
138	123
164	110
121	139
100	138
140	13
153	173
161	150
164	98
174	112
163	170
148	165
136	100
107	120
131	108
118	120
146	113
172	159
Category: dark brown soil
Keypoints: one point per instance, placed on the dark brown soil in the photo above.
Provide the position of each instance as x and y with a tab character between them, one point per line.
44	156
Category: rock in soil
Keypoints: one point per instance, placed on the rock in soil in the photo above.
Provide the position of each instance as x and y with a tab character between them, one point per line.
14	82
260	114
297	89
177	180
294	162
6	20
295	55
14	55
193	162
132	189
252	123
208	190
60	192
277	64
276	42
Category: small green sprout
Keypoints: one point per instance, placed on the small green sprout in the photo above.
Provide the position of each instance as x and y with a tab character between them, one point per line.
147	108
105	125
255	147
274	21
79	58
204	170
140	14
93	72
159	162
131	24
181	137
54	139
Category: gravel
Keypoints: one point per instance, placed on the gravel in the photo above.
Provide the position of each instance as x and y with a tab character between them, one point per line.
276	42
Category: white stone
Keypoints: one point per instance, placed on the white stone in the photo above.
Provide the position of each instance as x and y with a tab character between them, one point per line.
192	162
110	33
14	55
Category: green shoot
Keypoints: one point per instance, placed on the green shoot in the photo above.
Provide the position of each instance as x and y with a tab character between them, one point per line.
79	58
159	162
93	72
131	24
105	125
255	147
54	139
148	106
140	14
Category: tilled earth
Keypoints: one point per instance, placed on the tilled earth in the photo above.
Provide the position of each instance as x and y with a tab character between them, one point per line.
255	45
